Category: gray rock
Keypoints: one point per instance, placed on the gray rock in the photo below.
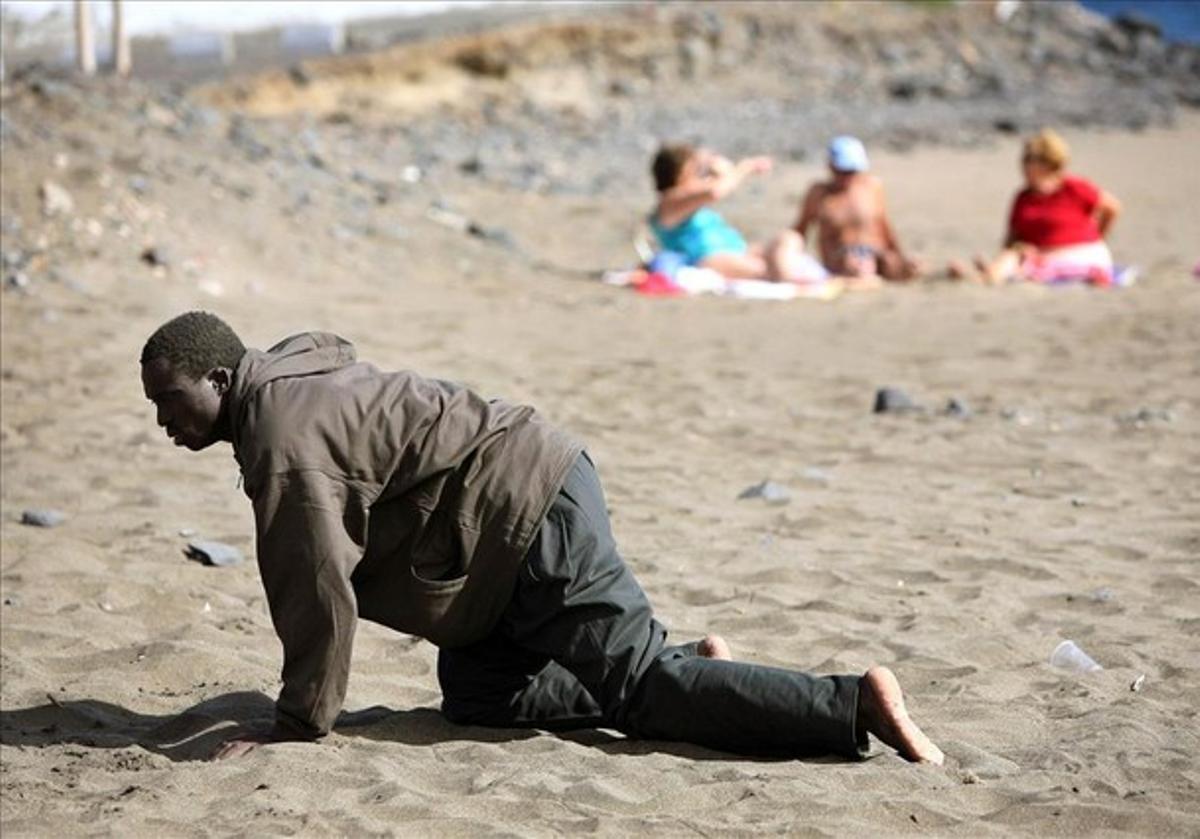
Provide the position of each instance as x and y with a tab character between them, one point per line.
956	407
1136	25
892	400
1150	48
768	491
300	75
244	137
915	85
157	256
1018	416
1113	40
492	234
892	54
442	214
56	201
213	553
628	87
50	89
43	518
1144	416
16	281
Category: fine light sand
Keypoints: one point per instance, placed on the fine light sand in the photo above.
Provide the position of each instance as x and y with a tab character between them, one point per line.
958	552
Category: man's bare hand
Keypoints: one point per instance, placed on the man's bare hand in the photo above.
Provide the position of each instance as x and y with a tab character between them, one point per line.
761	165
240	745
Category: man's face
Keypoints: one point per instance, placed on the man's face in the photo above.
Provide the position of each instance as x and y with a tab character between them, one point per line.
187	408
841	177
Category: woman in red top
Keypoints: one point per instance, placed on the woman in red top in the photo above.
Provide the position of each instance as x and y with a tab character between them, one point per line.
1057	224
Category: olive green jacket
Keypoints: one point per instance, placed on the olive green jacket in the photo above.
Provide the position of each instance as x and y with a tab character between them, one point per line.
403	500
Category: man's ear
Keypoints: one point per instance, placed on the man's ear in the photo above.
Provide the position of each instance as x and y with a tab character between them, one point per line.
220	378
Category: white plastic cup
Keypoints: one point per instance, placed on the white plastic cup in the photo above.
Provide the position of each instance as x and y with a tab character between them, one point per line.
1069	656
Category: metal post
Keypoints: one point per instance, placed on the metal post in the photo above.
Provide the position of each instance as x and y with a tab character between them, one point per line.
85	43
122	60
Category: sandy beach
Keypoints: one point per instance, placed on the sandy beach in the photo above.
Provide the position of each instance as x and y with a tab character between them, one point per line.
958	551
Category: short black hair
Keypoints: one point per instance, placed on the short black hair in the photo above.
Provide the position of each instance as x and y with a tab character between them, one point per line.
194	343
668	164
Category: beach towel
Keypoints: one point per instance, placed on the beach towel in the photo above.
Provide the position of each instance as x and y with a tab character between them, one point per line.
1058	273
1090	263
691	281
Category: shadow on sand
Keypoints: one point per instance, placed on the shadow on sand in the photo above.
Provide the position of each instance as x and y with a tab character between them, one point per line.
196	732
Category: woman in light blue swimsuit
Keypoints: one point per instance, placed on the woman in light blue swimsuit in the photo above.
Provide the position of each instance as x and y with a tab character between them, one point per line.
689	180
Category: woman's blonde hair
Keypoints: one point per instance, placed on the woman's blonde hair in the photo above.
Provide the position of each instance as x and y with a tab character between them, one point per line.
1047	147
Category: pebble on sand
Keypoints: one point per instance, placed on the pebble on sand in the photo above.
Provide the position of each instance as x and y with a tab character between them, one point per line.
43	518
213	553
893	400
956	407
157	256
56	201
768	491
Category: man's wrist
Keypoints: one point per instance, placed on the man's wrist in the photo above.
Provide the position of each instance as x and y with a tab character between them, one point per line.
288	729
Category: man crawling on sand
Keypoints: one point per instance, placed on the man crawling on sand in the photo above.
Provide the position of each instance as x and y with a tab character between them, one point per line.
419	505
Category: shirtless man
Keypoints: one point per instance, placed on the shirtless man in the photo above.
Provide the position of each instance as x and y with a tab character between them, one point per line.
416	504
854	236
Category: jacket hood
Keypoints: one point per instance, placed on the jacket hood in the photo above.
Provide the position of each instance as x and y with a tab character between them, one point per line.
306	354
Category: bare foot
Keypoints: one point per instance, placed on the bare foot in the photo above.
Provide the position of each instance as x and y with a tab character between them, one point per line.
957	269
714	646
881	711
989	274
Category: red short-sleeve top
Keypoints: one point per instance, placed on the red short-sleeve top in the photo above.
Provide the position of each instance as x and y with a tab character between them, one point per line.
1056	219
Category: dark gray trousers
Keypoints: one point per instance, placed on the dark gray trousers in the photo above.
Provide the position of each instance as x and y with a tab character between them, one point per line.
578	647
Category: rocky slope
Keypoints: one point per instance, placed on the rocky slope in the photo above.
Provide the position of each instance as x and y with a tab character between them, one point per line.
374	146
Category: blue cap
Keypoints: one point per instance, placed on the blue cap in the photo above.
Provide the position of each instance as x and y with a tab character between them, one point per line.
847	154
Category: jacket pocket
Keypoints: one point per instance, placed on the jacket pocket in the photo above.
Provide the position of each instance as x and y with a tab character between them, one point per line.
433	607
442	587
